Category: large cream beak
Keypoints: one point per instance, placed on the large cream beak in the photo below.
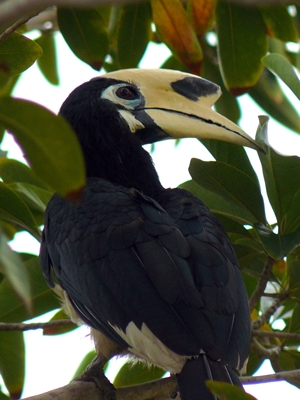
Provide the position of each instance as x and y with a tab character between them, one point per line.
179	104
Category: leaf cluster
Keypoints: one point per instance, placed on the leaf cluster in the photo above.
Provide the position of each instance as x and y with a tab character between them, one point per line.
217	40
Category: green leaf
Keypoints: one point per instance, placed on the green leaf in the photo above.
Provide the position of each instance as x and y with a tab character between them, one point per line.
35	198
137	373
251	259
231	183
14	171
281	175
133	34
226	391
280	66
13	268
232	154
280	24
293	265
85	33
12	362
14	210
174	29
218	204
269	95
51	147
277	246
227	104
18	53
295	320
43	298
89	357
240	46
48	62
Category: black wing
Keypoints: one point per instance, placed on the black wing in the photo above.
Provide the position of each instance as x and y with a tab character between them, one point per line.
122	258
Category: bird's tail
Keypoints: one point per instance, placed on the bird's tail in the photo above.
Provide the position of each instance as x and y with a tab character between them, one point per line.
191	380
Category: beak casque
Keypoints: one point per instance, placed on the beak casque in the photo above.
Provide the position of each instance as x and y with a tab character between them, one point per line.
180	105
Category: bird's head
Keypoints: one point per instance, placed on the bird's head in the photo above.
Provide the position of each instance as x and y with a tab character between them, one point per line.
154	105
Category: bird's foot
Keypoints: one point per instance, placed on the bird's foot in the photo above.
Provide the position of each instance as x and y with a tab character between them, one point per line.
94	373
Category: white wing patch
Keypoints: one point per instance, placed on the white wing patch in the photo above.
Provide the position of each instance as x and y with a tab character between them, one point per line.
144	344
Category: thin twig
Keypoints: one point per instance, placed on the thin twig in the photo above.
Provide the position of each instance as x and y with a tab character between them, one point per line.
38	325
262	352
262	283
279	376
15	26
256	324
276	334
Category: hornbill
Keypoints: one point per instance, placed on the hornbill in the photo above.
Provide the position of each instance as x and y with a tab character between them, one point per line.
150	270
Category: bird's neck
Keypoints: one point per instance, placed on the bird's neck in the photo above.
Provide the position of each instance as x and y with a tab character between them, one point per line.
125	163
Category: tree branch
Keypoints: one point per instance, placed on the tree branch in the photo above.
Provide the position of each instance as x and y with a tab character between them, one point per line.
262	352
279	376
276	334
256	324
39	325
262	283
156	390
12	11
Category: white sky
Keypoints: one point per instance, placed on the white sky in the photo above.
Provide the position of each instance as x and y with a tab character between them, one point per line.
52	361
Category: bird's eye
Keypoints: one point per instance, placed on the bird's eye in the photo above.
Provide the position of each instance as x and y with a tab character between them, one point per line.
127	93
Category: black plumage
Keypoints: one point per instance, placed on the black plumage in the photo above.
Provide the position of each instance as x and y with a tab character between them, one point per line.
151	268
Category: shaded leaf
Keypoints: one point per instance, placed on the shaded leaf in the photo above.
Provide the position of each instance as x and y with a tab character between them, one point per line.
14	171
251	259
277	245
43	298
50	145
35	197
137	373
295	320
293	264
280	66
280	24
176	32
240	46
85	33
289	360
231	154
133	33
17	53
12	362
201	14
281	174
89	357
13	268
226	391
231	183
218	205
292	218
227	104
173	63
48	62
269	95
14	210
59	330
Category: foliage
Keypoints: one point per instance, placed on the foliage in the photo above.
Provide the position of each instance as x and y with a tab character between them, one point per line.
218	41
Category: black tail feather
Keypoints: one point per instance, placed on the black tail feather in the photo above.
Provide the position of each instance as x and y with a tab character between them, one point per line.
191	380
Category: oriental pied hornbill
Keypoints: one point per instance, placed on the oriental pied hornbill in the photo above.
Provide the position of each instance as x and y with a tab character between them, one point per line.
150	268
